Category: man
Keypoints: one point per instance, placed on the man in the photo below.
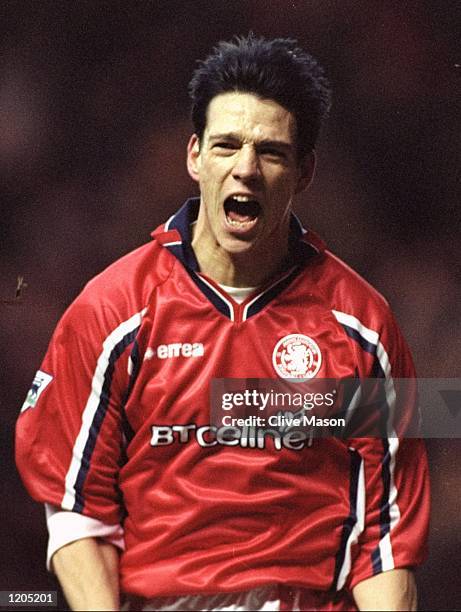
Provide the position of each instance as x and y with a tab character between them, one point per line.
118	431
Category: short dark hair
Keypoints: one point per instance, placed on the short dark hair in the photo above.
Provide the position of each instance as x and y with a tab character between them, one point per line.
275	69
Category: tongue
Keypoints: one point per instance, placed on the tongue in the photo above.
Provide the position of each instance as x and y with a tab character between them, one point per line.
235	216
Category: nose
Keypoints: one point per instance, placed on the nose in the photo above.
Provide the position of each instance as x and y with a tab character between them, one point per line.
247	164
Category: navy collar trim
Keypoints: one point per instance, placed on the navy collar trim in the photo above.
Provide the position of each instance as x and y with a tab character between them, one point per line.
176	236
300	247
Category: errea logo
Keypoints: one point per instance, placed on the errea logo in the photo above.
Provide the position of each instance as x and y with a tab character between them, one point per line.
175	349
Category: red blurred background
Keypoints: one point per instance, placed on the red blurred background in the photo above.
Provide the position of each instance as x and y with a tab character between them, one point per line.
93	127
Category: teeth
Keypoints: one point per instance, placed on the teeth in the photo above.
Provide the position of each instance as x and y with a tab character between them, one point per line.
236	223
242	198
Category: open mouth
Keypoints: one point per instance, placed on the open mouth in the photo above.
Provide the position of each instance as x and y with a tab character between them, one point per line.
242	211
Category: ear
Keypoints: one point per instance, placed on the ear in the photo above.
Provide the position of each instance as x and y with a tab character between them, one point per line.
307	171
193	157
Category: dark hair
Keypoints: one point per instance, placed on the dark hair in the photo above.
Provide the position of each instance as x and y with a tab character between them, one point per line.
274	69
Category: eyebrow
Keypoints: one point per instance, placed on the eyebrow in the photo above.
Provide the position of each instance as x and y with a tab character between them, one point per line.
282	144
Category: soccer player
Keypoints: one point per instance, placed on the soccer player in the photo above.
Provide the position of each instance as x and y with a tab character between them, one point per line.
148	502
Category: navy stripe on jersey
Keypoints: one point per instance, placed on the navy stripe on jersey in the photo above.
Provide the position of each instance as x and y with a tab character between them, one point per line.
351	520
262	300
350	387
376	371
368	347
384	513
182	222
98	419
136	365
212	295
300	252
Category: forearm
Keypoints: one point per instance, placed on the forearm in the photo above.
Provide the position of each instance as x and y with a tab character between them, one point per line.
88	572
392	590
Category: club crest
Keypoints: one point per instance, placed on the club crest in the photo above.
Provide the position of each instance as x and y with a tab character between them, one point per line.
296	356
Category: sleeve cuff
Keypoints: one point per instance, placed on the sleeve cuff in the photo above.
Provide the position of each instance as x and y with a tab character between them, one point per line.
65	527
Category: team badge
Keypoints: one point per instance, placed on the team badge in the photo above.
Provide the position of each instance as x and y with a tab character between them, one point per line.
296	356
39	384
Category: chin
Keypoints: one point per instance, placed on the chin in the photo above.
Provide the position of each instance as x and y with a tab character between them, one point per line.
234	246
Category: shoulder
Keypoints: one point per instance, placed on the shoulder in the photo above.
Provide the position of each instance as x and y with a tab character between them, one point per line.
358	312
132	277
363	313
347	294
121	291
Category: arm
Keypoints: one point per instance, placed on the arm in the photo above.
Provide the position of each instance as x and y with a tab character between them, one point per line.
392	590
88	572
394	509
65	527
68	447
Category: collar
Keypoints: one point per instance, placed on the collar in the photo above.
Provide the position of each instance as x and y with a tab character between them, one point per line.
176	235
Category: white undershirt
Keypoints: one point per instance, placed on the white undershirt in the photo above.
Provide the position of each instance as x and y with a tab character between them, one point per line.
238	294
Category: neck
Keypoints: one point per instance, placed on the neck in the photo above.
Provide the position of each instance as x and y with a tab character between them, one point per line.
252	268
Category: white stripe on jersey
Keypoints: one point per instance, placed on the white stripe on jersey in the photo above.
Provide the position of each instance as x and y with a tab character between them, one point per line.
356	530
92	404
385	546
371	336
221	295
355	401
167	224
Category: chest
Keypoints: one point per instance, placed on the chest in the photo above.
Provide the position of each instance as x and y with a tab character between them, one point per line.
185	344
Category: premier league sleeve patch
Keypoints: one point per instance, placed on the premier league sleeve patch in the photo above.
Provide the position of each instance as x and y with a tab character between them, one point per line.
39	384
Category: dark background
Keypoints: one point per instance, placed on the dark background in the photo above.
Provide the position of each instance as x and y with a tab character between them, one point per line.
93	127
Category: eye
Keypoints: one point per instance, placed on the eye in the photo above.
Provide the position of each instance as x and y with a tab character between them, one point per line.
272	153
224	145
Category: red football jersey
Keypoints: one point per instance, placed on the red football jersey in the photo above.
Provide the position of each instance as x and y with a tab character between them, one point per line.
117	426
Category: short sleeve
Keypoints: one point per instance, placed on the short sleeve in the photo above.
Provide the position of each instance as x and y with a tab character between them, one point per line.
69	438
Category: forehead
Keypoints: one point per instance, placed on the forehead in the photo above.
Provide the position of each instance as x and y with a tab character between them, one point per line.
250	117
